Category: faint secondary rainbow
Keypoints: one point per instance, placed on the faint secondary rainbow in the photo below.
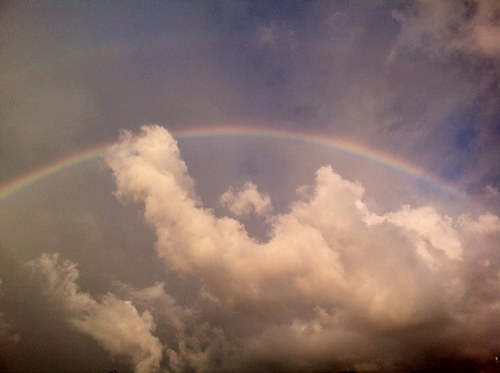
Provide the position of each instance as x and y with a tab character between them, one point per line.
343	145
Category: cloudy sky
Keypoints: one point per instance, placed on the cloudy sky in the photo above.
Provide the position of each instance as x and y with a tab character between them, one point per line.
249	186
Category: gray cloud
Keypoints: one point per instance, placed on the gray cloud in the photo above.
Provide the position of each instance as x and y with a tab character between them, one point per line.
115	324
8	334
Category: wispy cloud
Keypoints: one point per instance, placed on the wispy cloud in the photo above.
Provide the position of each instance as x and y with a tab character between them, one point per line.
443	28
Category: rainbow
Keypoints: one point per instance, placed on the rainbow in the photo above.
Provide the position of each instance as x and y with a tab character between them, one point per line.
32	177
343	145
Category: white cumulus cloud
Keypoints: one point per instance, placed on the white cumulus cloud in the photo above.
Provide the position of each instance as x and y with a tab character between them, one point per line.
247	200
335	284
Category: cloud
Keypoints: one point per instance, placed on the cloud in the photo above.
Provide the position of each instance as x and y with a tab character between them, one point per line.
462	37
277	37
441	28
116	324
427	224
7	335
491	192
333	280
246	201
320	282
197	345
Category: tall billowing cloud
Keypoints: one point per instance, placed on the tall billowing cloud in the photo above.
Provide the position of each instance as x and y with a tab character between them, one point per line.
335	285
116	324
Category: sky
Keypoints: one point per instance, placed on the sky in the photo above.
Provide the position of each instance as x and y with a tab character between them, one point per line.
192	186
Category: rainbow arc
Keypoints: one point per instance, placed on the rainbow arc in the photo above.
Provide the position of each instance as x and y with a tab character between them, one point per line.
343	145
